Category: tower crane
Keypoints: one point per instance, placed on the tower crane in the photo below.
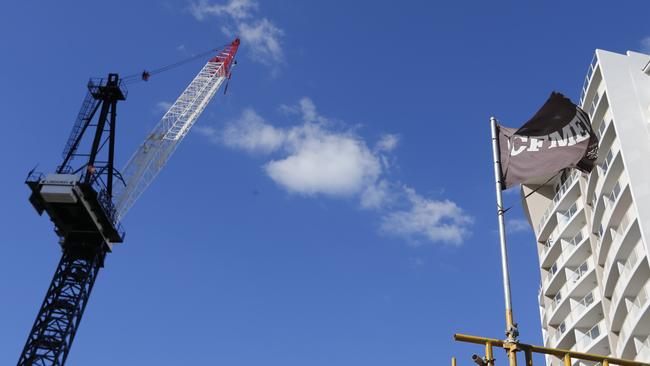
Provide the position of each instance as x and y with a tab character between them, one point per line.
87	200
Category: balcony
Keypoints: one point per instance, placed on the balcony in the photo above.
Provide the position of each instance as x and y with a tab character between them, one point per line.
633	274
626	234
594	340
643	349
573	254
615	236
584	313
575	286
599	105
565	187
609	171
637	308
617	203
591	81
569	221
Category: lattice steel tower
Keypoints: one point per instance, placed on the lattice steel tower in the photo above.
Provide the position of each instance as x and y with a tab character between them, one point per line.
79	198
79	201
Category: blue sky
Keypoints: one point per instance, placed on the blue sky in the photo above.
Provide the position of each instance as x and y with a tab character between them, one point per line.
336	207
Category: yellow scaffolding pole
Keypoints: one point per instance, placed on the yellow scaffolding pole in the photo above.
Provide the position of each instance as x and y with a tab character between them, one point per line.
564	354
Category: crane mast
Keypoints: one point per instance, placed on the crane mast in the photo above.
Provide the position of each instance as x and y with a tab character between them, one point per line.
86	201
77	198
153	153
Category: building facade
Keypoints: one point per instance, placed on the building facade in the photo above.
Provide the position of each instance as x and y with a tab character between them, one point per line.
593	231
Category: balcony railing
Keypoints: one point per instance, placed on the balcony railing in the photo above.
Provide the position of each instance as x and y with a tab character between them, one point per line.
566	216
557	299
634	258
604	166
631	320
580	271
556	199
568	248
590	73
584	303
644	350
613	195
594	103
601	129
591	335
617	237
573	279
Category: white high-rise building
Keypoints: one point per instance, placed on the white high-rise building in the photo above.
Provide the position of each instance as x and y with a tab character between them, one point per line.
593	231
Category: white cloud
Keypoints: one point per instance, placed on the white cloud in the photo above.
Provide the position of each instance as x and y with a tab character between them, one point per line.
236	9
251	133
306	109
259	35
209	132
517	225
387	142
263	39
377	196
320	161
313	158
433	220
163	106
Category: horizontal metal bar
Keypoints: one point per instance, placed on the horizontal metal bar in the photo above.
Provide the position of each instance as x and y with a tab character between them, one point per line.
561	353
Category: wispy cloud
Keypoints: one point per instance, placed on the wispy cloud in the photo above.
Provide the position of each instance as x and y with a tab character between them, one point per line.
318	157
516	225
162	106
645	45
250	132
387	142
236	9
432	220
260	36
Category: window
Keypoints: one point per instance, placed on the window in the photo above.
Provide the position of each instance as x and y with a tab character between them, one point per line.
594	332
576	239
587	300
580	271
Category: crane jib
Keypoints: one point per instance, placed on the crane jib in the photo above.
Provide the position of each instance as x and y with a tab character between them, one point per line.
153	153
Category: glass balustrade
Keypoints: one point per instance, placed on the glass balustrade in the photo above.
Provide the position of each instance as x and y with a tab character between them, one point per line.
557	197
586	339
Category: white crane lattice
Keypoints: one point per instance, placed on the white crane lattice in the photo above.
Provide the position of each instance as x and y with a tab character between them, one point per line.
153	153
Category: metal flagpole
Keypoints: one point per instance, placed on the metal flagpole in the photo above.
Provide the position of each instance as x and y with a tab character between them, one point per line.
511	328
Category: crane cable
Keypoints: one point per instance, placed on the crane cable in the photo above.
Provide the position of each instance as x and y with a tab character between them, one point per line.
143	76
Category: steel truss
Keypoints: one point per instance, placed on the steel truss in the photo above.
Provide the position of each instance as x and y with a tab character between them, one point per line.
81	224
153	153
58	318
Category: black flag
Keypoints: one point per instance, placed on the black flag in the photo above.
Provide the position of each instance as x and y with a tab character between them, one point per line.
558	136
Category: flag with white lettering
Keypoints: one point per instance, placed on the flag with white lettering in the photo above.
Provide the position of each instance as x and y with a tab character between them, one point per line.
558	136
